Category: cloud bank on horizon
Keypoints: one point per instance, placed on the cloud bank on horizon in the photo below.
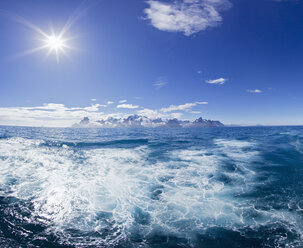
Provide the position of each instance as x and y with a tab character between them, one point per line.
59	115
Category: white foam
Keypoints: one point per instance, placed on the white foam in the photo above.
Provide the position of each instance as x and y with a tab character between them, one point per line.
103	188
298	146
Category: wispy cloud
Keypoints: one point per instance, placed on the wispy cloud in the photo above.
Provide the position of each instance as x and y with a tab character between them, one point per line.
109	102
182	107
122	101
187	16
93	99
127	106
254	91
218	81
160	83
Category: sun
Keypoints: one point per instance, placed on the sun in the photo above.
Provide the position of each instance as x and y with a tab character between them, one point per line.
55	43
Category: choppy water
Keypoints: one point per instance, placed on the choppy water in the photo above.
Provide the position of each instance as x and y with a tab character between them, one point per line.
220	187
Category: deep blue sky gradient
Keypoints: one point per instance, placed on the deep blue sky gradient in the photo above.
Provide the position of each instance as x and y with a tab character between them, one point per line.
119	55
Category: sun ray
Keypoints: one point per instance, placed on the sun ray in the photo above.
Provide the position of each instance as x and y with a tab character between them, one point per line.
55	42
23	21
57	56
80	11
27	52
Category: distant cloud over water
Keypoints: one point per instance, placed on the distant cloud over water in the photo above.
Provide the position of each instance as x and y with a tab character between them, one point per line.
60	115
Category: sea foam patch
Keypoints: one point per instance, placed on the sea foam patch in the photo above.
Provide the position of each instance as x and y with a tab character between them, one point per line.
114	194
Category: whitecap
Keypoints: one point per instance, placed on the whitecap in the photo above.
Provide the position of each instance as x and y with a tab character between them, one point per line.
115	192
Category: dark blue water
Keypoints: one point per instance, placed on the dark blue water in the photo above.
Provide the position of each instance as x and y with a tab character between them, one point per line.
219	187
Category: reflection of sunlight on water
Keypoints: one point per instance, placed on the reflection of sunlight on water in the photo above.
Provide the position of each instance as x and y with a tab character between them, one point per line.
113	192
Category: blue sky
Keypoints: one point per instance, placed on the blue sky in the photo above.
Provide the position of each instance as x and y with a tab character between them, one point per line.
237	61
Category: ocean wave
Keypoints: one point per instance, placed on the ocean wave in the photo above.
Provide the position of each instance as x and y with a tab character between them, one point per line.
298	146
106	196
111	143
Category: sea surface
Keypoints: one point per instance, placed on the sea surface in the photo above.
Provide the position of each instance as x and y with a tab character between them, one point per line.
212	187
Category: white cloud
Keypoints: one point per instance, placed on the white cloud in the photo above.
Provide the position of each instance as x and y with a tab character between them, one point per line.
218	81
59	115
127	106
199	72
93	99
169	112
182	107
94	107
109	102
175	115
122	101
49	114
187	16
150	113
154	114
48	106
254	91
160	83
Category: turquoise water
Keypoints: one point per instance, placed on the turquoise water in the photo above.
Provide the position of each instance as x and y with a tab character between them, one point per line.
212	187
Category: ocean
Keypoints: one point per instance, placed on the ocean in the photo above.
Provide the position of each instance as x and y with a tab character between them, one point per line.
174	187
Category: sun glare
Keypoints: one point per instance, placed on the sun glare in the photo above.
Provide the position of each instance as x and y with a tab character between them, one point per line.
55	43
